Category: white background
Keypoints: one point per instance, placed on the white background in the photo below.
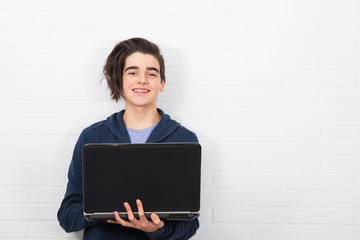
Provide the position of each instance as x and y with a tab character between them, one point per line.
270	87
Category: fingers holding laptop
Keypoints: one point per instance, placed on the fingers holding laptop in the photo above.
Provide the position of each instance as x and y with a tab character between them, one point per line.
142	223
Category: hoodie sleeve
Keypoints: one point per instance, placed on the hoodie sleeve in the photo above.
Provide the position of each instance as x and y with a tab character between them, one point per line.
70	214
176	230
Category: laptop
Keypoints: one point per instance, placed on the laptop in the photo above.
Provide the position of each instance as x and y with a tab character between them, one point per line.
164	176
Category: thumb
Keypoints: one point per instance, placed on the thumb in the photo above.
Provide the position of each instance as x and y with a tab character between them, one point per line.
155	218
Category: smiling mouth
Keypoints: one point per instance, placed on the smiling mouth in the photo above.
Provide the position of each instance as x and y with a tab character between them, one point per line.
141	90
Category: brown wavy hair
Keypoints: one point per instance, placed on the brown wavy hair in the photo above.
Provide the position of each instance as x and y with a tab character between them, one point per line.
115	63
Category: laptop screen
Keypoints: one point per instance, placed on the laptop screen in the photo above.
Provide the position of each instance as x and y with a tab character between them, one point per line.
164	176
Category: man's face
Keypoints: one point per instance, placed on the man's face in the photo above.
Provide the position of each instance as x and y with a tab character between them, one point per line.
141	80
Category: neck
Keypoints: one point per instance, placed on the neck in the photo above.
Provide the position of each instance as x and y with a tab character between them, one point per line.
140	118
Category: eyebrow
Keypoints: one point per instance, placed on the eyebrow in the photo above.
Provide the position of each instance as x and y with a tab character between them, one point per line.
154	69
148	68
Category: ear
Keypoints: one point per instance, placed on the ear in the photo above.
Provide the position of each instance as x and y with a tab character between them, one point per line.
162	86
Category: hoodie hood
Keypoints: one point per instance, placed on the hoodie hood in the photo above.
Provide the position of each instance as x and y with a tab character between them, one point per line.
165	127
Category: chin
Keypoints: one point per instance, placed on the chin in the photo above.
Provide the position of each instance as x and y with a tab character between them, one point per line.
141	104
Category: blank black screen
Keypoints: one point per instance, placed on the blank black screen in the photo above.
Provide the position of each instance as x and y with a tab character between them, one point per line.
165	176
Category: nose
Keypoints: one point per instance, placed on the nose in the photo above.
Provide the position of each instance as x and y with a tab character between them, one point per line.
142	79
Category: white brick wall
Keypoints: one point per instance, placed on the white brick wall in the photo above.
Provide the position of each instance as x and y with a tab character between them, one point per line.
270	87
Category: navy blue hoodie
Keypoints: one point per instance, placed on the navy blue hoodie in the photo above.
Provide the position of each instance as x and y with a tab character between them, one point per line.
113	130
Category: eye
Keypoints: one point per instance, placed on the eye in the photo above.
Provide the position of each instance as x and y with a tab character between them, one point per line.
153	75
132	73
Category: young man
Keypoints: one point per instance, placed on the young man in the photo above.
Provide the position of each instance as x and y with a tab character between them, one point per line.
135	71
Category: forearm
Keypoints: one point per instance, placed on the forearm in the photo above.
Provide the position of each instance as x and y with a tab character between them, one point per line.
71	217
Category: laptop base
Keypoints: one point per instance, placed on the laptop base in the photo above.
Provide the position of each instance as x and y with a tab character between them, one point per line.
103	217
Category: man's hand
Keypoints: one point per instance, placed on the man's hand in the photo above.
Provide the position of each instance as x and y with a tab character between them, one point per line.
142	223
